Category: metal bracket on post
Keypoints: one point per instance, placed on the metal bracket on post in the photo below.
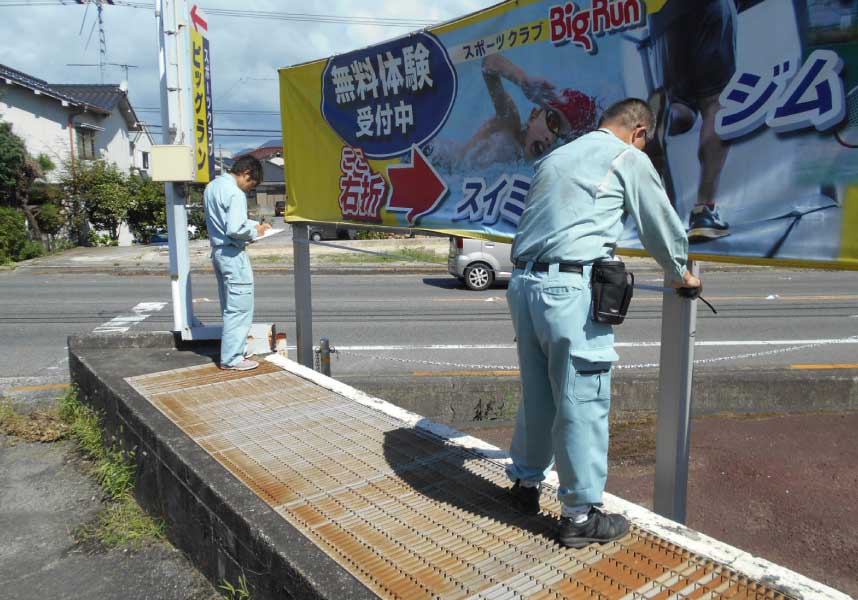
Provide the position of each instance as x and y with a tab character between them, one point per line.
678	331
303	297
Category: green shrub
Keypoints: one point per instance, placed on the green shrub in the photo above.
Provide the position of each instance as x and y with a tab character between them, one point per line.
364	234
14	244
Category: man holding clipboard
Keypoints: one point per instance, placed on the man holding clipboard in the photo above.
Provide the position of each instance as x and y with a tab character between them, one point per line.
229	233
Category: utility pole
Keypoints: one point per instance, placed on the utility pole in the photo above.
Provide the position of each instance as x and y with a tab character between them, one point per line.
102	42
102	37
174	62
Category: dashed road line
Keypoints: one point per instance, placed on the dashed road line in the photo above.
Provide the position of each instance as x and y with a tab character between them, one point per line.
123	323
653	344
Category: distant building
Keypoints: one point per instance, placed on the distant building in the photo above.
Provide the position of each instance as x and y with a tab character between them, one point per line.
77	121
272	188
269	149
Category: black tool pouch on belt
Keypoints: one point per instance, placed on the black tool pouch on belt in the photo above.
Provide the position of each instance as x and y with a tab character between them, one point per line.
612	288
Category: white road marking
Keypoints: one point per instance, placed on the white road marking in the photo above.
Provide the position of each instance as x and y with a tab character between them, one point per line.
851	340
123	323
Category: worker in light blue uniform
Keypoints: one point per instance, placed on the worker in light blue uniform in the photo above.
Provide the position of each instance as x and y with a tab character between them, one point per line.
574	216
229	233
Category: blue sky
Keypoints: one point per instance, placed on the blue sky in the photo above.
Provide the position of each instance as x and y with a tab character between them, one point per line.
246	53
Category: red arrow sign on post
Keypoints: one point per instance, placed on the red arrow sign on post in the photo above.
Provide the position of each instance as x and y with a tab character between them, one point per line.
197	19
417	188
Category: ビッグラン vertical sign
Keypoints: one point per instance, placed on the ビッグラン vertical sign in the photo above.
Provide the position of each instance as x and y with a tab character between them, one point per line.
390	97
203	110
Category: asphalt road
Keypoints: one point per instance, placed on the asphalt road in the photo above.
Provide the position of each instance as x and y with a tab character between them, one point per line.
416	323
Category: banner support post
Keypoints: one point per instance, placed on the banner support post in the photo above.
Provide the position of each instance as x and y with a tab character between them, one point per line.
303	296
678	332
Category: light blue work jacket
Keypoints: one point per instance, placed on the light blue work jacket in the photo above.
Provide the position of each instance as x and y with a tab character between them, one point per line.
226	214
577	201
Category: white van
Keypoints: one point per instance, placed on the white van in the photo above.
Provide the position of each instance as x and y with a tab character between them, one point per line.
479	263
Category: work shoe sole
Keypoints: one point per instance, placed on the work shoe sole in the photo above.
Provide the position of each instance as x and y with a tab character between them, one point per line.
704	234
582	542
599	528
244	365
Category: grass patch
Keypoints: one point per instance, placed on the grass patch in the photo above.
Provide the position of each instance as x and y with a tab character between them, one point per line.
399	255
121	522
236	593
38	426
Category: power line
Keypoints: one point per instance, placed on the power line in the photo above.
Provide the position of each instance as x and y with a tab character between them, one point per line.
220	111
267	15
272	131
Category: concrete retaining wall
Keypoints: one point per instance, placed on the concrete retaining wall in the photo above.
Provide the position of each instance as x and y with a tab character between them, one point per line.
493	401
224	528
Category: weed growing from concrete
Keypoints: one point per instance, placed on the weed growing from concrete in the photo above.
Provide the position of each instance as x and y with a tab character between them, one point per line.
236	593
121	523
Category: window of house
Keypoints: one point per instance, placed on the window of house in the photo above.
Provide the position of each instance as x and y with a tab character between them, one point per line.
85	144
145	156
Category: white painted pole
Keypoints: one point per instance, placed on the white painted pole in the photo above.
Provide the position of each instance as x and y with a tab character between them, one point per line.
173	61
678	331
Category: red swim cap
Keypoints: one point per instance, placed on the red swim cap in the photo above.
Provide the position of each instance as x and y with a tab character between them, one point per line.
579	109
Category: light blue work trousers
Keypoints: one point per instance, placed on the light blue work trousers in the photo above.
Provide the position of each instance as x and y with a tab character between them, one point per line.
235	292
565	362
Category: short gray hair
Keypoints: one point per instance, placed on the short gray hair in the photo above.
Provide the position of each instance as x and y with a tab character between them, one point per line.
628	113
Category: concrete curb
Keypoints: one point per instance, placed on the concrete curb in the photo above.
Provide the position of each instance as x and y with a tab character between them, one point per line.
354	269
153	260
223	527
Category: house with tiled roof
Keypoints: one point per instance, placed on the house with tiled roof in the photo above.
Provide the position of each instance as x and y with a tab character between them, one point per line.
74	121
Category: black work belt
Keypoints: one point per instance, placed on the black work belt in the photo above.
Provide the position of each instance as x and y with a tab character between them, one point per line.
542	267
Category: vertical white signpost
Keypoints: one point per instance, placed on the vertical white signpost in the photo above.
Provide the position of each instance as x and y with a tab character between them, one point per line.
175	119
185	100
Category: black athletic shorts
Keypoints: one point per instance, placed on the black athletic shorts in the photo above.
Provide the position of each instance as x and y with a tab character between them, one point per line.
695	47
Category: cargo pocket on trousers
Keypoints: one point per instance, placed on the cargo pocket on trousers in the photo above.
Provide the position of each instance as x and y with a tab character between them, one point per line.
591	381
239	297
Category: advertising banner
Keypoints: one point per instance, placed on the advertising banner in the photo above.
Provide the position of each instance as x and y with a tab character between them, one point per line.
756	136
201	73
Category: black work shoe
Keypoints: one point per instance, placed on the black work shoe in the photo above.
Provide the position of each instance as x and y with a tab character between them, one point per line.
704	224
600	527
525	499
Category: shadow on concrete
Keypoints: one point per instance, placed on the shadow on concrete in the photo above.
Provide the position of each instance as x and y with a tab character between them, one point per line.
451	283
451	475
444	283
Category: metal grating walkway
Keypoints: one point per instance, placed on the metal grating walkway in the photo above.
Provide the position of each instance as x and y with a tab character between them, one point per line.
408	513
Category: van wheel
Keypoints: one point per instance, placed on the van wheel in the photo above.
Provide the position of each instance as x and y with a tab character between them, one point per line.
316	236
479	276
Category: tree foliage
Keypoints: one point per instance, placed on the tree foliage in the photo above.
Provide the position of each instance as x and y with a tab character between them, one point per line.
14	244
19	173
99	195
13	156
147	210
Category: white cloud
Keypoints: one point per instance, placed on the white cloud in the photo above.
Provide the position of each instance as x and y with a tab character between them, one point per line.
246	53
